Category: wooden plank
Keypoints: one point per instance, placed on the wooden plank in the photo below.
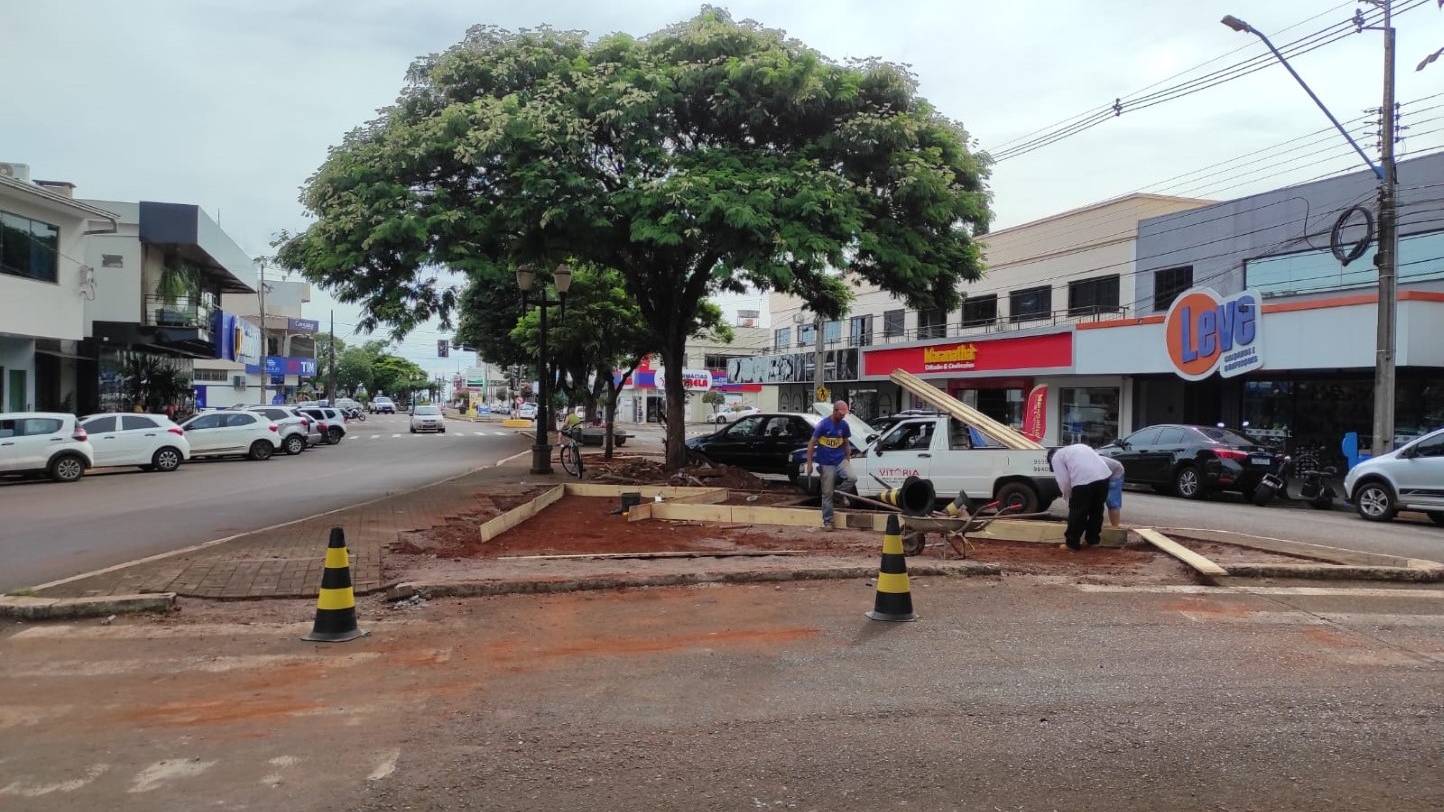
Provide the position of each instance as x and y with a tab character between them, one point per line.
951	405
641	512
692	513
1200	564
709	496
690	554
647	491
520	513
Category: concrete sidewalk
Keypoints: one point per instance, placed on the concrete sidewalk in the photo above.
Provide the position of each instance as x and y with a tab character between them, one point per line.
286	561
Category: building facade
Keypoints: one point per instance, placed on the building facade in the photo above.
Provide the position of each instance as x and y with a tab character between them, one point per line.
706	368
281	354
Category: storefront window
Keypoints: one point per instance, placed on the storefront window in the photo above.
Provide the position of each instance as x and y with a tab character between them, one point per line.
1310	271
1003	405
1089	415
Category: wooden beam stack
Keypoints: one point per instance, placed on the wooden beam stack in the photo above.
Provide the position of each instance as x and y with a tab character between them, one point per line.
948	404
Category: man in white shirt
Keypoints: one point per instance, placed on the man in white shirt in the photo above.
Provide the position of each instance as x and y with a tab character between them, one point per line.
1083	478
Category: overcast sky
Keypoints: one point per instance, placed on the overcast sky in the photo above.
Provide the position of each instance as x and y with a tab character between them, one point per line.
231	105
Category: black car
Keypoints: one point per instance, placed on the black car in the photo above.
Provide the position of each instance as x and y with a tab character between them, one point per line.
1191	461
762	443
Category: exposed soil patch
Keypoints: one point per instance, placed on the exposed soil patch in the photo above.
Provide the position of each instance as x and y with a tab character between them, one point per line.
648	471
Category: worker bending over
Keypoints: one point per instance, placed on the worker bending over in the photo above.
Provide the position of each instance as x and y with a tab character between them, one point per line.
1083	478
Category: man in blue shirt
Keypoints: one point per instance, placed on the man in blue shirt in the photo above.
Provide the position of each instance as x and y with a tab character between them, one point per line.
830	445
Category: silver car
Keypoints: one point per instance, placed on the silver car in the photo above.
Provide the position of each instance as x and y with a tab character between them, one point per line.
1408	478
427	418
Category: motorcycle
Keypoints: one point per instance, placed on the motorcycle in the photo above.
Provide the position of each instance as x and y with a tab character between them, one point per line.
1314	481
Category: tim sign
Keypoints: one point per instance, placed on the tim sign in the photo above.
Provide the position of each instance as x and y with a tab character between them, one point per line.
1208	333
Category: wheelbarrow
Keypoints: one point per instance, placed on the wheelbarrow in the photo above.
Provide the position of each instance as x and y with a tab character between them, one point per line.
954	530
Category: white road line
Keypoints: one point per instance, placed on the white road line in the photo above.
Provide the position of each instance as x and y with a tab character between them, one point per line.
1317	618
479	433
394	436
1301	591
155	775
501	433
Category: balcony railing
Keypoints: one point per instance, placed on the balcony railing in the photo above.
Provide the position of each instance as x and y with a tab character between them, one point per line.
955	329
184	312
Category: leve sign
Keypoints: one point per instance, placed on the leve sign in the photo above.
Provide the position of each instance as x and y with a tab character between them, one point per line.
1208	333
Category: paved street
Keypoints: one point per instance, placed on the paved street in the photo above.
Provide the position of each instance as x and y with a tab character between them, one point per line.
53	531
1007	694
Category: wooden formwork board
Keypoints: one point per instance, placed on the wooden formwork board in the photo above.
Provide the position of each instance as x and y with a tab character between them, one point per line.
691	494
506	521
951	405
1201	565
1041	531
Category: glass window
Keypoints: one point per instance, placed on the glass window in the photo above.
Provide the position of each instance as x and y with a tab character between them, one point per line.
980	310
238	420
806	334
892	323
32	426
99	425
427	410
959	436
916	436
29	248
832	332
1171	436
745	427
7	428
1031	303
781	337
1167	284
932	323
211	375
1421	257
205	421
1089	415
135	422
1091	297
1432	447
1224	436
860	330
1144	438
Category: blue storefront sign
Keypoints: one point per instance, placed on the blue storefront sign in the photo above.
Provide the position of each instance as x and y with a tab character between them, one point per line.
302	325
281	366
199	393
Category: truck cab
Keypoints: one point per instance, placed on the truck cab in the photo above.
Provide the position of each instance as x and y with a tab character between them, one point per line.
956	456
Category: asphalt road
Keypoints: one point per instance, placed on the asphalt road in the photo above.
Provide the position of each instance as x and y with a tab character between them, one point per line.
1006	694
51	531
1410	534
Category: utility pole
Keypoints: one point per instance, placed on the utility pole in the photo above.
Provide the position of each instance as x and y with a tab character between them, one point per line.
1387	257
265	344
331	385
819	379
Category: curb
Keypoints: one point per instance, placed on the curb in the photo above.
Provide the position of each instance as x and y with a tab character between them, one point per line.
471	589
1337	572
1298	549
28	608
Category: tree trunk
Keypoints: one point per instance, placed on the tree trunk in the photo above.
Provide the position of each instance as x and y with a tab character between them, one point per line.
676	402
610	422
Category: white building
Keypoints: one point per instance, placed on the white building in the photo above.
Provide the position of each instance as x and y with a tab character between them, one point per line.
287	362
45	285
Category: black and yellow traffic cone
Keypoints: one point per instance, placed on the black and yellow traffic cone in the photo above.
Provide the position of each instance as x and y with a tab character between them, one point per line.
336	605
894	600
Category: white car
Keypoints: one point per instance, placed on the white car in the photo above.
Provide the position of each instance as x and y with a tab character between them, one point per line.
298	431
527	411
729	415
1408	478
382	405
152	441
226	434
427	418
44	442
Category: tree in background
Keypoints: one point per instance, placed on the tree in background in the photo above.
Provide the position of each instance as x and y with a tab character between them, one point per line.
714	399
705	157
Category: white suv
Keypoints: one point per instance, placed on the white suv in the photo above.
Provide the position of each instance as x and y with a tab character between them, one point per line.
239	434
44	442
1407	478
151	441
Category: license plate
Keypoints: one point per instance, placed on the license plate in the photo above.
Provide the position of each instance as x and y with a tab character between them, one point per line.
1260	461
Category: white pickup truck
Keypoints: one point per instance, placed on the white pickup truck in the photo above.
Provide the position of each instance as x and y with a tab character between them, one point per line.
955	458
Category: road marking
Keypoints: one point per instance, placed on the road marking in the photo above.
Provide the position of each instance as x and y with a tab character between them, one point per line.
24	790
376	437
479	433
386	767
168	770
394	436
501	433
1303	591
204	665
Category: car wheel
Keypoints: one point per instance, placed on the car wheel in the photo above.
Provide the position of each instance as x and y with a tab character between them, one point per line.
295	444
442	430
1437	517
261	450
67	468
1019	495
1188	482
165	460
413	429
1374	500
334	435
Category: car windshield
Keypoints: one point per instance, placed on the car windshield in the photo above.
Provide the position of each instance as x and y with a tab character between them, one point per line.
1226	436
427	410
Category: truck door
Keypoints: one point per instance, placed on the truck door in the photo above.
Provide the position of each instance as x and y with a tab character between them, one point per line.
906	450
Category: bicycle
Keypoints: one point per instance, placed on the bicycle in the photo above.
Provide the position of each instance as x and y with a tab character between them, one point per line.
571	451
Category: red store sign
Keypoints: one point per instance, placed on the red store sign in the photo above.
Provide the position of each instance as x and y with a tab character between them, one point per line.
953	357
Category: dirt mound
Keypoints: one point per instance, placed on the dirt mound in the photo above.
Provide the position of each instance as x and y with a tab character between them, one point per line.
645	471
719	476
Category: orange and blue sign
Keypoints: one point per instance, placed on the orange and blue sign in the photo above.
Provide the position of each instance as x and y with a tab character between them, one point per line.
1208	332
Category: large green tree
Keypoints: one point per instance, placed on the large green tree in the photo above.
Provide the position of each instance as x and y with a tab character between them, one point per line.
705	157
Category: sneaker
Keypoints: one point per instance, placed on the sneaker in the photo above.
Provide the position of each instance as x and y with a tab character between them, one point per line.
828	528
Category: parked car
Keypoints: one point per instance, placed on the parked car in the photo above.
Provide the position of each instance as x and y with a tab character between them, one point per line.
1193	461
763	443
225	434
152	441
733	414
44	442
956	457
1408	478
527	411
382	405
296	427
333	423
427	418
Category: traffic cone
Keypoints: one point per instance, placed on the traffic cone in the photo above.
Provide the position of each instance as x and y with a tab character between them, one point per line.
336	605
894	600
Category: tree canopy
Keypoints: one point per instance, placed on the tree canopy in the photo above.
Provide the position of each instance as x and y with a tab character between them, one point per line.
706	157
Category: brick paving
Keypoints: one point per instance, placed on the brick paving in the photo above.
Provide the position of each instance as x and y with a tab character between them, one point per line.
286	562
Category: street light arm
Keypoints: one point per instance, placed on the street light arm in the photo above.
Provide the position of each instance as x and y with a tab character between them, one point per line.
1239	25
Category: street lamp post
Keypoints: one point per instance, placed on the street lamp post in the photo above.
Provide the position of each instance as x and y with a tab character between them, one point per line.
1386	258
541	450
